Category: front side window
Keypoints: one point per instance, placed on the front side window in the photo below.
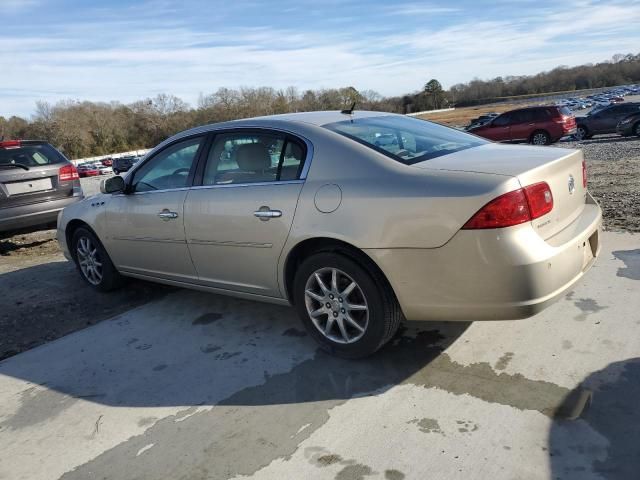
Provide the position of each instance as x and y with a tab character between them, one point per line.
405	139
168	169
253	158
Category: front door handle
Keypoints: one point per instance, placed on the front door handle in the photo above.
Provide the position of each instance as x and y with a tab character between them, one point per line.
167	215
265	213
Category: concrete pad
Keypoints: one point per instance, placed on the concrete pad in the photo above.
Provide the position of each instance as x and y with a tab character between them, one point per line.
199	386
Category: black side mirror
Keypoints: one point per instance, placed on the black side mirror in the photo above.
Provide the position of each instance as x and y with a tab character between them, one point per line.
112	185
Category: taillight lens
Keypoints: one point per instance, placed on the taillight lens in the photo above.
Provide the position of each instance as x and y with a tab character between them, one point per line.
67	173
505	211
584	174
10	144
513	208
539	198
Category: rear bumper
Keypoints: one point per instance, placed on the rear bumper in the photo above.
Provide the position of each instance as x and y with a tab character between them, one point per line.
26	216
497	274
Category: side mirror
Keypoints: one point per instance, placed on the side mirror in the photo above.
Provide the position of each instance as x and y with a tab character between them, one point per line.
112	185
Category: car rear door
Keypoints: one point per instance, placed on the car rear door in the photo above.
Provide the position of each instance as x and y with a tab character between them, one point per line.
145	225
522	125
238	220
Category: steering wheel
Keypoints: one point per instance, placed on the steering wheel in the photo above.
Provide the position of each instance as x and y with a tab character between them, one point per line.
181	170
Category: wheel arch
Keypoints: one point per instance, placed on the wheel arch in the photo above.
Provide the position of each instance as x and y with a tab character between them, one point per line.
310	246
70	229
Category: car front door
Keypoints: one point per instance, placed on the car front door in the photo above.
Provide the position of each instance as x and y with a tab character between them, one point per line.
499	128
605	121
238	220
145	225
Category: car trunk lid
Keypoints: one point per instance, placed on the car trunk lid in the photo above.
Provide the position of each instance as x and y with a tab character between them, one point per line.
560	168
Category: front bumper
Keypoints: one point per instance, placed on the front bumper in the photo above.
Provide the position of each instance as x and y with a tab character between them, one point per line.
500	274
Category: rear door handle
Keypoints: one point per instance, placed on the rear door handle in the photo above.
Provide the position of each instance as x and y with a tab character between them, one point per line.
167	215
265	213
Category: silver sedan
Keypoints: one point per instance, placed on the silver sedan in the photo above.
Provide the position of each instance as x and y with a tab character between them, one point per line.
359	220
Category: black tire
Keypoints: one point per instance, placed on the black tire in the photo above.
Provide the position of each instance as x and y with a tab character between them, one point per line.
581	133
540	137
110	278
384	314
636	129
117	172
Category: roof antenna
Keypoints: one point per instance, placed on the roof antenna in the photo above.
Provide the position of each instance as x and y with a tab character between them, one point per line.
349	111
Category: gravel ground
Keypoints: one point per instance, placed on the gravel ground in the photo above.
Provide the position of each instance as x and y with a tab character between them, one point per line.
62	303
613	169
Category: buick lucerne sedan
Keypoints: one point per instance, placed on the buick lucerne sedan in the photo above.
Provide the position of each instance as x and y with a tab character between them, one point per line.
313	210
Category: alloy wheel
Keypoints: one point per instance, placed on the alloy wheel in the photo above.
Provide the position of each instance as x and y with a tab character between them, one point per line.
539	139
580	133
336	305
89	260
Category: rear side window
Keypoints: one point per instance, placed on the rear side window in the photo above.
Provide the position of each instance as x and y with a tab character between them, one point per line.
405	139
31	155
253	157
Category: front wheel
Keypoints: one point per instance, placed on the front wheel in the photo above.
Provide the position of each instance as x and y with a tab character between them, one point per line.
350	311
93	262
116	171
636	129
540	138
581	133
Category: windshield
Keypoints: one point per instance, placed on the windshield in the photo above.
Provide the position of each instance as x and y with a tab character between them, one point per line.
31	155
405	139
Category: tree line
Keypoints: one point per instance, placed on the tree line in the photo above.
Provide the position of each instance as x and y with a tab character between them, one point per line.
83	128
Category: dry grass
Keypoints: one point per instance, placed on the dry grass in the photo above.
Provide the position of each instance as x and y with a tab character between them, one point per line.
462	116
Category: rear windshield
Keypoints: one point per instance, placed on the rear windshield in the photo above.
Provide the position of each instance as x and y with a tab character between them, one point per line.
31	155
406	139
565	111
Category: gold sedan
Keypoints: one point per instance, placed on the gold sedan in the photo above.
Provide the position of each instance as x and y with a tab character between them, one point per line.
359	220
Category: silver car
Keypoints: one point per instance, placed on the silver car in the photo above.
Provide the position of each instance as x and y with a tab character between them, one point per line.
310	209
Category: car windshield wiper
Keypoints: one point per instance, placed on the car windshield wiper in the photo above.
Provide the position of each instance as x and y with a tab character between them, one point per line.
14	165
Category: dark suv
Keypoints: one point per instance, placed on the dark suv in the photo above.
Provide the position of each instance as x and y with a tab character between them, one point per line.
123	164
537	125
604	120
36	182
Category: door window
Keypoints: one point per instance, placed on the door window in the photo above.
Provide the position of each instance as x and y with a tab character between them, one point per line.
169	169
503	120
236	158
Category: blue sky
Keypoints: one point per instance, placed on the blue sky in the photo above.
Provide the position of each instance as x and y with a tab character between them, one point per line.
125	51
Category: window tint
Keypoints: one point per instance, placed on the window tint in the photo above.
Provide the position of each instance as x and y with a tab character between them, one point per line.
405	139
252	157
31	155
503	120
168	169
541	115
522	116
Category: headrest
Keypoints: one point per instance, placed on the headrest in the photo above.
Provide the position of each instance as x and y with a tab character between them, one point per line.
253	157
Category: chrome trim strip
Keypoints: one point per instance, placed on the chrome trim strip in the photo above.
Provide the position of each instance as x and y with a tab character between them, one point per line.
152	191
196	241
149	239
255	184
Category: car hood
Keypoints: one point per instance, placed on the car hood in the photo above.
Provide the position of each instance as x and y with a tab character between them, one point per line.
497	159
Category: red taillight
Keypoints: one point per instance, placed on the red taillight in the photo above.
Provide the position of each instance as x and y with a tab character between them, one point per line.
539	198
505	211
67	173
513	208
10	144
584	174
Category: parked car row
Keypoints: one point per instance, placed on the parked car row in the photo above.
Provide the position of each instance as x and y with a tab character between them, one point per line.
92	169
599	100
123	164
541	125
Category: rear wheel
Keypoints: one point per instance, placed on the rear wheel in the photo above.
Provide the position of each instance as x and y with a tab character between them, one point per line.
116	171
540	137
350	311
581	133
93	262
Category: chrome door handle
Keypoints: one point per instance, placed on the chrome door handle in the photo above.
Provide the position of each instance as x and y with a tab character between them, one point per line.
167	215
265	213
